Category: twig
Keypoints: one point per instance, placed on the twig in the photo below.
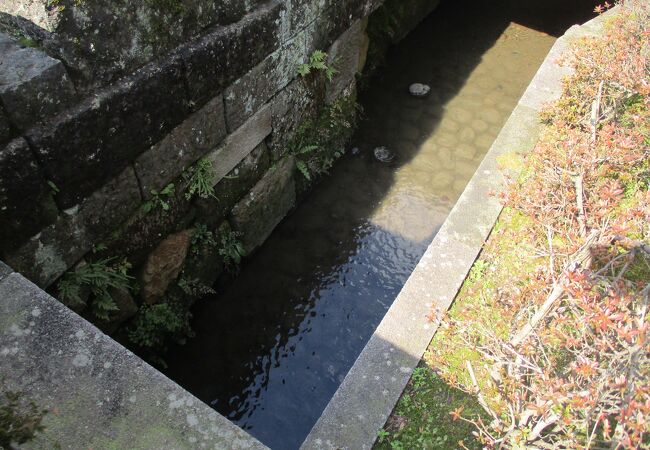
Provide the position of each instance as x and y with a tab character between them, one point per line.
632	243
633	368
539	426
555	295
481	400
551	262
578	183
582	258
595	111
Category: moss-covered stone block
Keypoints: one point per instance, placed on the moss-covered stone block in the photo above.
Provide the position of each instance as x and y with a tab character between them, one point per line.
187	143
163	265
221	57
98	138
48	254
244	97
102	40
233	187
22	183
240	143
262	209
143	230
300	101
345	56
33	86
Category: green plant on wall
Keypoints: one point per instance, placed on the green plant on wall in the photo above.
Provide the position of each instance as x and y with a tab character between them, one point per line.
154	326
317	62
54	189
155	323
200	179
194	288
97	279
231	249
160	199
302	151
20	420
201	238
319	142
28	42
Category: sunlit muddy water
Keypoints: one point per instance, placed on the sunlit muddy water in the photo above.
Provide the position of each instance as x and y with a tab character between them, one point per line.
272	349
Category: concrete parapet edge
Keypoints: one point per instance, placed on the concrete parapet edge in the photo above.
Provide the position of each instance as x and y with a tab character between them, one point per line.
97	393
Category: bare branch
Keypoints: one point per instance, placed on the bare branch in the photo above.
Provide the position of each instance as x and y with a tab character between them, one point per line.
481	400
580	259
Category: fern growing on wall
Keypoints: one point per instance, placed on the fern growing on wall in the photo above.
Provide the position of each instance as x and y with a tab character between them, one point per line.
317	62
97	279
319	142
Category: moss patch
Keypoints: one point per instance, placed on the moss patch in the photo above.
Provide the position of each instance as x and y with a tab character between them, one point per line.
422	417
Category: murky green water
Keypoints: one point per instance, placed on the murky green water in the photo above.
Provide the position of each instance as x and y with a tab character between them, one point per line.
272	349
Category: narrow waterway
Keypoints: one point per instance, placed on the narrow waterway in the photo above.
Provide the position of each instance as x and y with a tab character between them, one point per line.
272	349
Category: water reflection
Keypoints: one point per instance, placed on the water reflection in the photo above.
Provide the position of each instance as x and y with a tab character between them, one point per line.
272	349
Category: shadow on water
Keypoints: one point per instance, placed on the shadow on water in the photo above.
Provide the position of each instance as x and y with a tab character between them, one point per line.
273	347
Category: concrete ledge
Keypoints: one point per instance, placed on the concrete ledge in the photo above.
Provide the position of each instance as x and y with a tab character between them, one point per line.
372	387
98	394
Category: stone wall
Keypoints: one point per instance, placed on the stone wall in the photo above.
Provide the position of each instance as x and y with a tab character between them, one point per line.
100	40
101	142
109	111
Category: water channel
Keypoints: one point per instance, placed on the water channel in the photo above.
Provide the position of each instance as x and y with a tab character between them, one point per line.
272	349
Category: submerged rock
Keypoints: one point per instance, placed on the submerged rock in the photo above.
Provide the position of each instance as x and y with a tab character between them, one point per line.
419	90
383	154
355	151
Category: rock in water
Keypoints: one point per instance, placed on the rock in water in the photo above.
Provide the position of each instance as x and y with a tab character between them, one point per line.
383	154
355	151
419	90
